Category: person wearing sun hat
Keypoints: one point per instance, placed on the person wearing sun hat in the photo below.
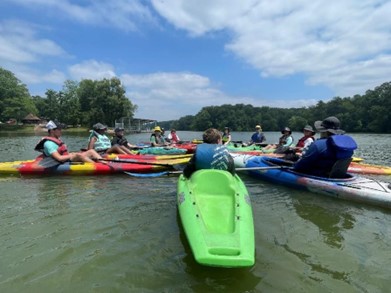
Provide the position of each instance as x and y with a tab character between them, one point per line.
284	142
307	139
54	150
156	139
257	137
332	146
99	142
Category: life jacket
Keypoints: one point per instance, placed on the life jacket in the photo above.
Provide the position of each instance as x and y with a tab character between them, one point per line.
158	140
300	143
102	143
343	146
283	140
174	137
62	147
225	137
212	156
119	141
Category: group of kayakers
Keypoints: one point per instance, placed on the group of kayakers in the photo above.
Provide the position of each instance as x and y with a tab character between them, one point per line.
54	150
317	156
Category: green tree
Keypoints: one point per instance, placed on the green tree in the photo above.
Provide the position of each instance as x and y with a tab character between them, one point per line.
15	100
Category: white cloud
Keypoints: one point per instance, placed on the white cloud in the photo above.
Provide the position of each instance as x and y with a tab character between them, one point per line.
167	96
122	14
91	69
282	38
20	43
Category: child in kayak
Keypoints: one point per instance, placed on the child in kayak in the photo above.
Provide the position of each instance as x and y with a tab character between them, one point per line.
211	154
322	154
54	151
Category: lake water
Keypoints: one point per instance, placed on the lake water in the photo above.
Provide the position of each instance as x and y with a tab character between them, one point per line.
122	234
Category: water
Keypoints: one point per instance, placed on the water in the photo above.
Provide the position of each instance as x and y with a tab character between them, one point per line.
123	234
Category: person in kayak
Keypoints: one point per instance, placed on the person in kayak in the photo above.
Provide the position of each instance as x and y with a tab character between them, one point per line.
211	154
54	150
322	154
156	139
173	137
257	138
306	140
226	138
99	142
120	140
284	142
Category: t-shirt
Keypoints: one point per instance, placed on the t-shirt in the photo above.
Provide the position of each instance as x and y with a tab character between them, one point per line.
49	147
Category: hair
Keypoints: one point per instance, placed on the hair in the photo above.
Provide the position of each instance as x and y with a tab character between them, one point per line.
211	135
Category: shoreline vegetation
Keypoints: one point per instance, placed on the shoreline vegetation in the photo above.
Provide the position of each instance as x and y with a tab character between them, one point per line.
29	129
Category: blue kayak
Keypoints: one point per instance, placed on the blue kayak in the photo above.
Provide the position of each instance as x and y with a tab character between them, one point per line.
355	188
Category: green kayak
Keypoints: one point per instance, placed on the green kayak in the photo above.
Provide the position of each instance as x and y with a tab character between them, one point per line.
216	214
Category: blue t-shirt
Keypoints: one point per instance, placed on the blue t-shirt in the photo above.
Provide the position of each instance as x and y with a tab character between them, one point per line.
258	137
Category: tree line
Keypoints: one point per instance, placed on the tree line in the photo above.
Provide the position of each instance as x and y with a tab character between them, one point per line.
368	113
89	101
84	103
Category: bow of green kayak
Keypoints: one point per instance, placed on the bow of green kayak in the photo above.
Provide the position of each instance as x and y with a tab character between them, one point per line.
216	215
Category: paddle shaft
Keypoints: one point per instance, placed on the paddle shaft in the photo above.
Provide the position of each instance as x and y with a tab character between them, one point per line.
138	162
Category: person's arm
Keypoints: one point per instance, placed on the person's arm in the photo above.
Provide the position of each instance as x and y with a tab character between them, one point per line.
308	159
91	143
190	167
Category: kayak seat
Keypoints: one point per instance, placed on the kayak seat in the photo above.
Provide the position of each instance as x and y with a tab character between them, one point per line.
340	168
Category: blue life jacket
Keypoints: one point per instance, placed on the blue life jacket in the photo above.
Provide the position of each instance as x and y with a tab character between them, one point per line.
323	153
212	156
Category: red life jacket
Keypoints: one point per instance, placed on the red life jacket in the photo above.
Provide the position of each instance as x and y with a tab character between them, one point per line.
174	137
300	143
62	147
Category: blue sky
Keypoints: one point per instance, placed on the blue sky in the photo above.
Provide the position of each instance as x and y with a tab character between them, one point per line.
176	56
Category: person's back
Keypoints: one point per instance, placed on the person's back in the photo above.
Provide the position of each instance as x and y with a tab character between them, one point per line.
211	154
322	154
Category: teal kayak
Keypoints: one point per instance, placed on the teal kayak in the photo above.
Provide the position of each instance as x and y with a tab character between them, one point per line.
216	214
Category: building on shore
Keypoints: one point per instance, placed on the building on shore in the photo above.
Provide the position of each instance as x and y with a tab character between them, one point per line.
135	125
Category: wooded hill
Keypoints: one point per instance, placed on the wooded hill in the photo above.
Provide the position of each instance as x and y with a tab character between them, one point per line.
369	113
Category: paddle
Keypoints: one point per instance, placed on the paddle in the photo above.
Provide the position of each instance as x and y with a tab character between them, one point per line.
158	174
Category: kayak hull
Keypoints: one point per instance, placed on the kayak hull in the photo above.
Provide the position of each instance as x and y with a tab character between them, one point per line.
216	215
354	188
33	167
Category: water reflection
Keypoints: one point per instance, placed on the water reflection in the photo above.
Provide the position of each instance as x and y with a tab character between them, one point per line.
331	222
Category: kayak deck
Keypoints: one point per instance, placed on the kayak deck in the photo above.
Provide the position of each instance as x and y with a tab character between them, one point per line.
216	214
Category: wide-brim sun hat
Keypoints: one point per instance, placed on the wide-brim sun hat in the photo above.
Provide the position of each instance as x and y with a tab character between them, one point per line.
99	126
286	129
157	128
309	128
330	124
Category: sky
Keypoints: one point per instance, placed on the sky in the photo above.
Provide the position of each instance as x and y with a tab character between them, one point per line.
176	56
